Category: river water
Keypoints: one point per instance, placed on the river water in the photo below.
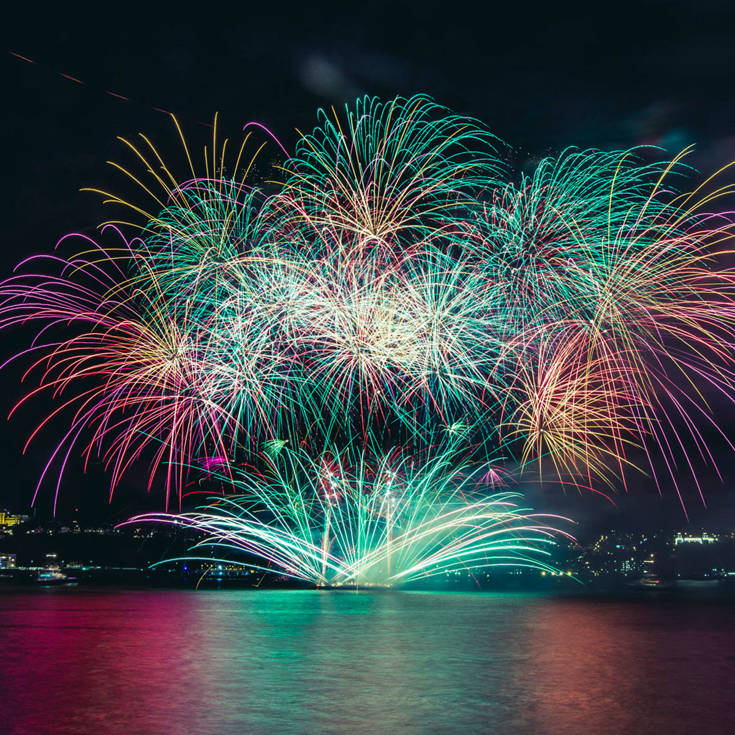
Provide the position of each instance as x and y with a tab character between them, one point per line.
251	662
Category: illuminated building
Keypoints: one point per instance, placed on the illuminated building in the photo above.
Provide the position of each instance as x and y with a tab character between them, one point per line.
8	519
704	538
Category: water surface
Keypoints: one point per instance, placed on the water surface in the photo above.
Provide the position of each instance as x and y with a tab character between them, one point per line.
251	662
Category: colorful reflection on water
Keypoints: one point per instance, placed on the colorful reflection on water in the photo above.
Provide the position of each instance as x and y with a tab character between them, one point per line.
173	662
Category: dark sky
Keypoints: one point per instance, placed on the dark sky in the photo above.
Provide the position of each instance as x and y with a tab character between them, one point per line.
542	76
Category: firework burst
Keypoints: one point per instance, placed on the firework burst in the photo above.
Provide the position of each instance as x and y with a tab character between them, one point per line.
392	286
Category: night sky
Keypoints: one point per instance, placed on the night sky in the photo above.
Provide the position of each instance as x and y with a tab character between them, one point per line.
543	78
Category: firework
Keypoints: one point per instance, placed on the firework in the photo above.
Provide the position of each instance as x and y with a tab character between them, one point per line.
340	520
124	368
392	171
392	286
573	409
540	242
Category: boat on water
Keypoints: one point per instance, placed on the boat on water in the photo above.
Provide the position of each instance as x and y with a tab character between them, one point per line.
650	581
52	577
